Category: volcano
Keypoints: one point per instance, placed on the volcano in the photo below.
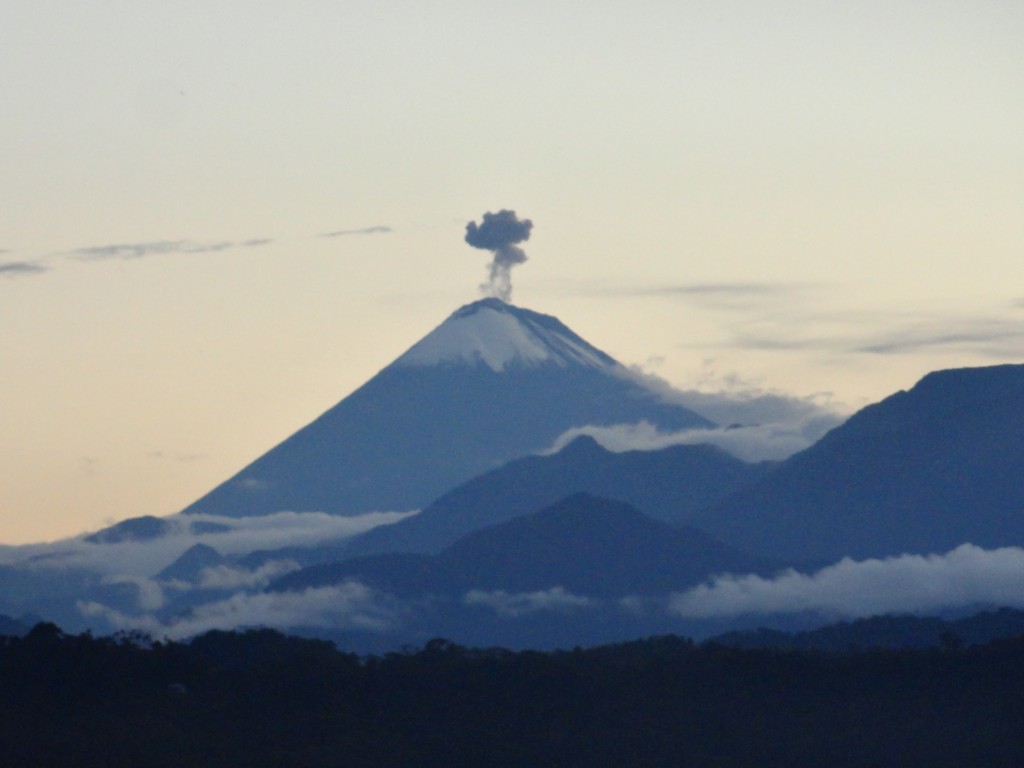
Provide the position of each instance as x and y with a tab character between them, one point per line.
492	383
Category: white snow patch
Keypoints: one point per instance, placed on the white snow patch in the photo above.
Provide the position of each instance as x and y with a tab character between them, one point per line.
497	339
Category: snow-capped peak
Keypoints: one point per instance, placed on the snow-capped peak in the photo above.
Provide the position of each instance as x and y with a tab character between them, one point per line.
496	334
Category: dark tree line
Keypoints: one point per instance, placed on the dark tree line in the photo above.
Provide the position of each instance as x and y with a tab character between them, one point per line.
260	698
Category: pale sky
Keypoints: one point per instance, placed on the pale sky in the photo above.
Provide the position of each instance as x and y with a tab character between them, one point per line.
219	218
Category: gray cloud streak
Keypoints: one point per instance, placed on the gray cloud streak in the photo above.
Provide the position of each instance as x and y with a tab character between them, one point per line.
126	251
778	317
153	248
720	291
875	333
978	332
727	296
12	269
379	230
986	336
161	247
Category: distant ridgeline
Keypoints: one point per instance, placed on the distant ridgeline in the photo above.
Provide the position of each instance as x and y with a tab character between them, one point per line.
516	546
922	471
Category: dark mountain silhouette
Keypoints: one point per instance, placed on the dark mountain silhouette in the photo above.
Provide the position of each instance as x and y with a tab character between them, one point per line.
191	563
148	528
585	544
134	529
492	383
670	485
922	471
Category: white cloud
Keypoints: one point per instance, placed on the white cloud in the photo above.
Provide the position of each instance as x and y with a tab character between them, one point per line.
966	576
755	424
288	529
226	577
239	536
521	603
149	594
346	606
756	443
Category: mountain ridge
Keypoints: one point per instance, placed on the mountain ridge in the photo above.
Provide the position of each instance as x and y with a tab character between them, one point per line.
670	484
588	545
922	471
412	432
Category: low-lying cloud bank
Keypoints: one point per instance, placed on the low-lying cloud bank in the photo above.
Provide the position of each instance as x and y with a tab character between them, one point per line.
966	576
228	535
756	425
348	606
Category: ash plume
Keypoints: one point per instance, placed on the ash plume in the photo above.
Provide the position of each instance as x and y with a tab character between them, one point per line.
499	233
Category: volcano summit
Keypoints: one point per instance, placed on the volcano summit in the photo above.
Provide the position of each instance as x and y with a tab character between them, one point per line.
492	383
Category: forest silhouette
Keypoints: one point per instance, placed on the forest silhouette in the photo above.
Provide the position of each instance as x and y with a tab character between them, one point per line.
261	698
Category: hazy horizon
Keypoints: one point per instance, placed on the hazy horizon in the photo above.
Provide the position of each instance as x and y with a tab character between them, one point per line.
220	219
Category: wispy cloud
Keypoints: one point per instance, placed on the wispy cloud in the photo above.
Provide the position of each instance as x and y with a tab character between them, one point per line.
790	317
128	251
881	332
810	317
732	296
968	575
755	424
515	604
12	269
379	230
760	442
729	399
231	578
151	248
118	582
149	594
227	535
984	334
346	606
725	289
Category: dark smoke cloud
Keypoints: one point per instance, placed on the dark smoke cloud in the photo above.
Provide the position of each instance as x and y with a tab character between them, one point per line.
499	233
